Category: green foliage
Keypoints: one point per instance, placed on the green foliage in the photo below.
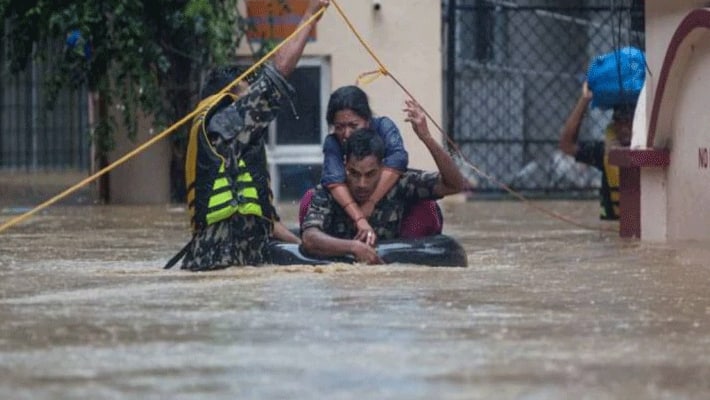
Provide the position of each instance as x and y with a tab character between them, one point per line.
136	54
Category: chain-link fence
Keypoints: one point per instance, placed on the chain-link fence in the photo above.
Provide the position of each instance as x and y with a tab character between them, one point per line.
515	70
35	136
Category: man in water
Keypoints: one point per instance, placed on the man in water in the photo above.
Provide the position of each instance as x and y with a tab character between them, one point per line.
594	153
328	231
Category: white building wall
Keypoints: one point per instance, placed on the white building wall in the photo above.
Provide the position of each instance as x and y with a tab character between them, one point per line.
674	201
689	182
406	37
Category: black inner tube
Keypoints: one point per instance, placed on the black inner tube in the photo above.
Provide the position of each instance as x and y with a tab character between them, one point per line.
433	251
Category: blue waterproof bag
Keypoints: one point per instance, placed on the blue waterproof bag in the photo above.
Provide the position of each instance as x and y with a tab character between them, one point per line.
617	78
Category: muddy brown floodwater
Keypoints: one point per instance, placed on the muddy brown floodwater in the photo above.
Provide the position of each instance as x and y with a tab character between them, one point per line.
545	310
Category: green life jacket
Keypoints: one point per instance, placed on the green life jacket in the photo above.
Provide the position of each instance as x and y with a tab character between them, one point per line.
216	191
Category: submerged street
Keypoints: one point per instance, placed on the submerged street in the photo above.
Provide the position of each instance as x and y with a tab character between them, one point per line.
545	310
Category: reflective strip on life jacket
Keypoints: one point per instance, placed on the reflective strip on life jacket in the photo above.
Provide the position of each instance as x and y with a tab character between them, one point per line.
222	203
214	201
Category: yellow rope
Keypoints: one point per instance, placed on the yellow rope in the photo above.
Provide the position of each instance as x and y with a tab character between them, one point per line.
383	71
368	77
158	137
382	68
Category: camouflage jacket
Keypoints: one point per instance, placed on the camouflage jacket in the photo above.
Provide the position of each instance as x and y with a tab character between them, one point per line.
327	215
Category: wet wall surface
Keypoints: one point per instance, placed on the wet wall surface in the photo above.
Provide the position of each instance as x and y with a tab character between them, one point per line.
545	310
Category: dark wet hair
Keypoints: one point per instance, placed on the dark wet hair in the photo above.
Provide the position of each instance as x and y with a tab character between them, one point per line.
220	77
364	142
348	98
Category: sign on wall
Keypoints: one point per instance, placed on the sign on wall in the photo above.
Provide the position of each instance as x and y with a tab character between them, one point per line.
274	19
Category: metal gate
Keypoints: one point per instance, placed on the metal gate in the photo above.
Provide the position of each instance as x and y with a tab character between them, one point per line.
514	71
34	136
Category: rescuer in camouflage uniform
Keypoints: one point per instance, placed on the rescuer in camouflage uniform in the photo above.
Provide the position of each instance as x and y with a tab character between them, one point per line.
228	183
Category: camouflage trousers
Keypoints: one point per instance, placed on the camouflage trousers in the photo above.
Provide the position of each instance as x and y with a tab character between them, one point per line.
236	241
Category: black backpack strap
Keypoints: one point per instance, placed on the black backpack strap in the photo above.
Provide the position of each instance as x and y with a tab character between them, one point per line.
177	257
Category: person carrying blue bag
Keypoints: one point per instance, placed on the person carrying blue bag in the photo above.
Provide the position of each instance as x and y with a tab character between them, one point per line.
614	81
